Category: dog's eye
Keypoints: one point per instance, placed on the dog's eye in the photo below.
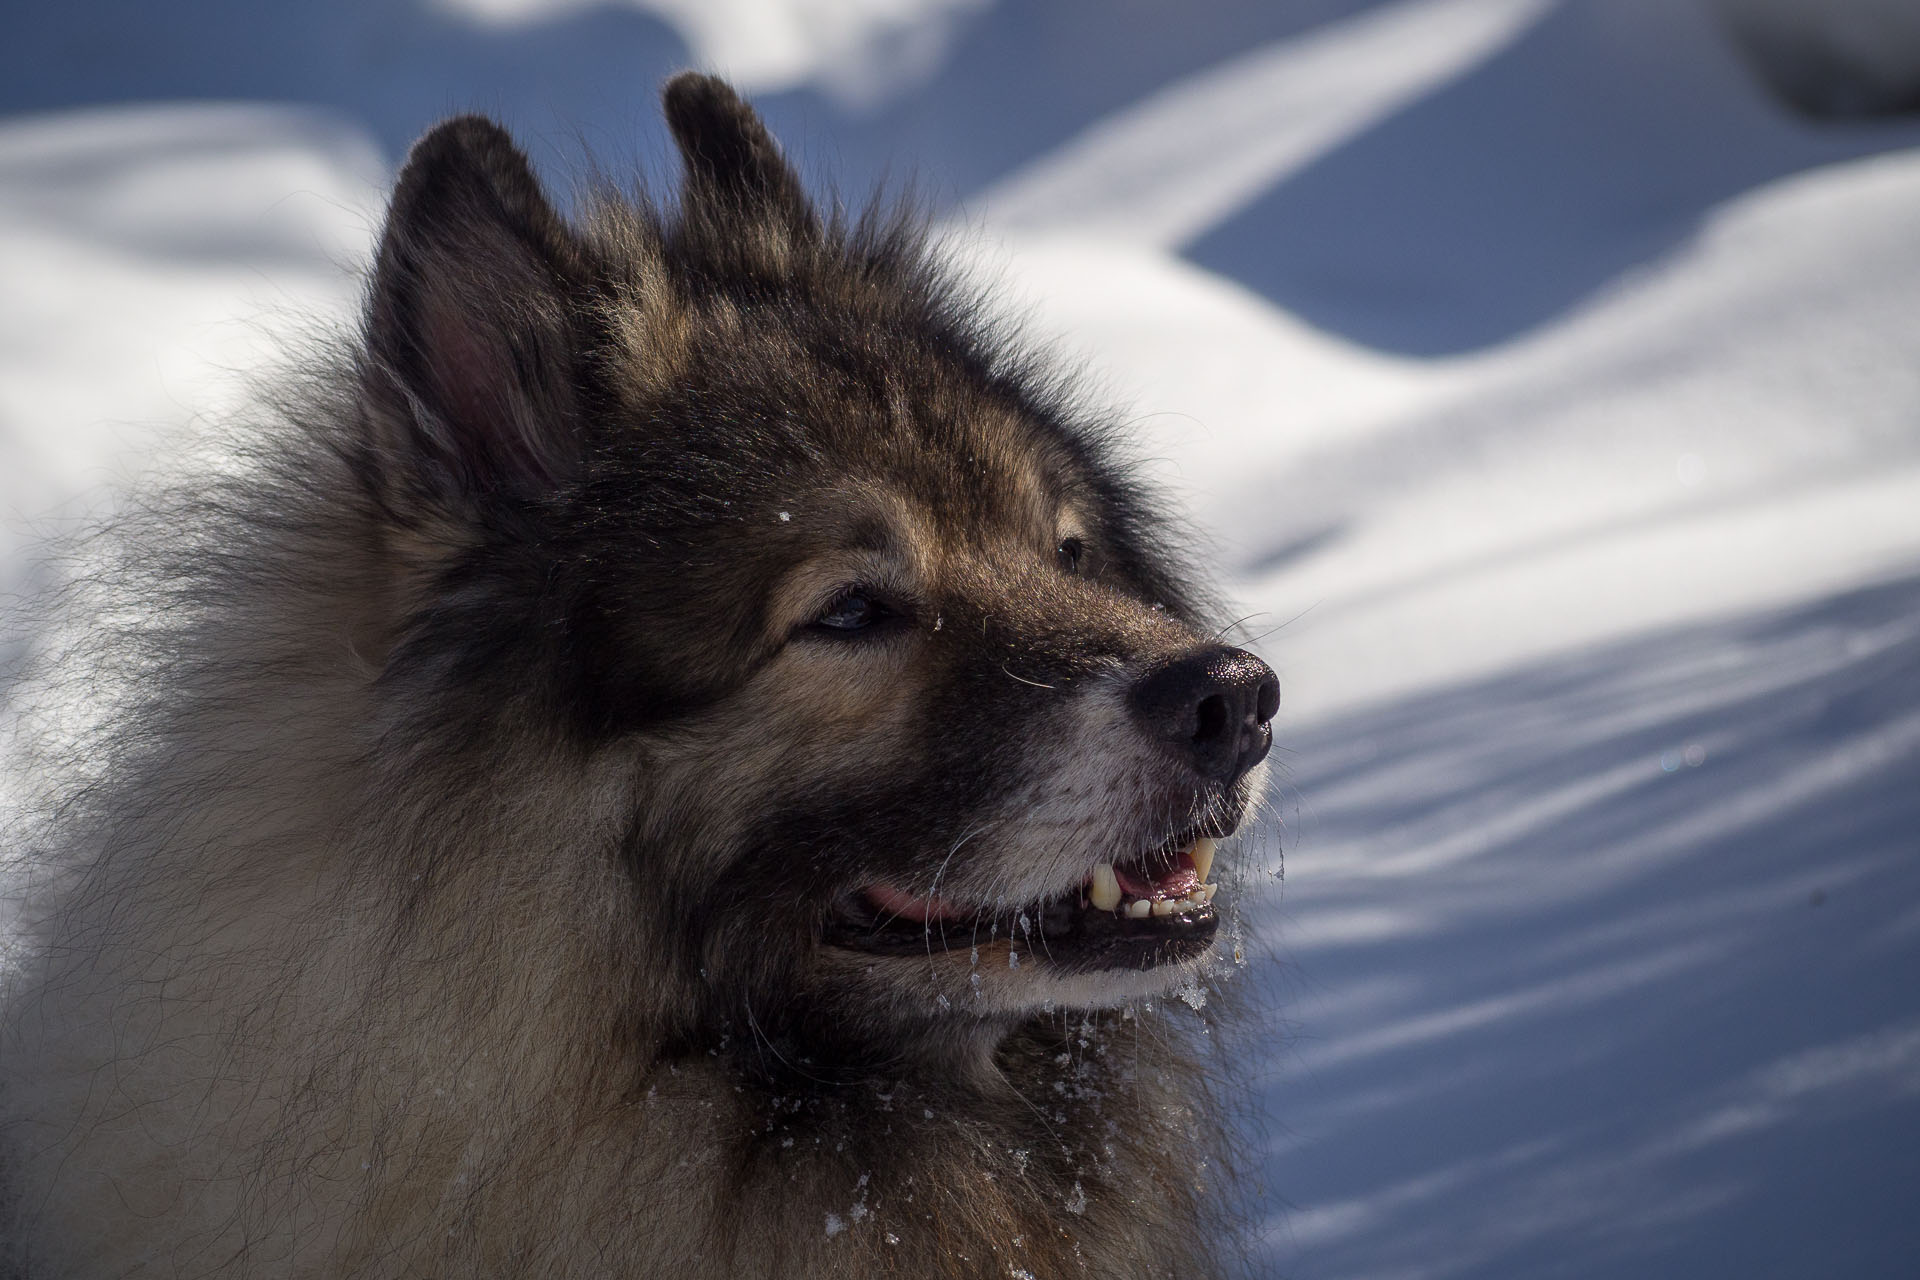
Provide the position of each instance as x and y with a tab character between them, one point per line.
1072	555
851	610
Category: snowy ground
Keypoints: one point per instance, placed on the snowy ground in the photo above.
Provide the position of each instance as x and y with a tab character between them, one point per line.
1553	400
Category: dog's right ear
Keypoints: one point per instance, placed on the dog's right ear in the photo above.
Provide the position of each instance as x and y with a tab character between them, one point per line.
471	363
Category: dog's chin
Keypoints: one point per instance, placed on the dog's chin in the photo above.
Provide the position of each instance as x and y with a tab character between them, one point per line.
1126	932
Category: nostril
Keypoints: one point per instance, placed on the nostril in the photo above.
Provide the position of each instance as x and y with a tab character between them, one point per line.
1211	723
1267	701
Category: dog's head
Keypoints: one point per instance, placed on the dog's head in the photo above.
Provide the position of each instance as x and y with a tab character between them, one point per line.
924	724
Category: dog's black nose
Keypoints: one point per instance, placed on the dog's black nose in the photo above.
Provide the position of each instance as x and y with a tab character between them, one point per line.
1211	706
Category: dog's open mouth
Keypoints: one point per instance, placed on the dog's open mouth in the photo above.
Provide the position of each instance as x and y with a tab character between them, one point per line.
1151	909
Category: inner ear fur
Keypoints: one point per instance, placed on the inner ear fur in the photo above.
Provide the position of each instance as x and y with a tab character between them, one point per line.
471	366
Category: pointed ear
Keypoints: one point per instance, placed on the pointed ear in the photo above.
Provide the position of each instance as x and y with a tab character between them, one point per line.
471	357
734	169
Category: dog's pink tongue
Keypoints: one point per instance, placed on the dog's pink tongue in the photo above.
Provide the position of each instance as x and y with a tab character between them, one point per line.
1177	881
905	906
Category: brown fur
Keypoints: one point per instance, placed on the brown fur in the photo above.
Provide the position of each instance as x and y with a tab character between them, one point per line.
443	898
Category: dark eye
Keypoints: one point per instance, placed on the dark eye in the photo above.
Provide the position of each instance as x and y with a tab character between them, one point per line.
851	610
1072	555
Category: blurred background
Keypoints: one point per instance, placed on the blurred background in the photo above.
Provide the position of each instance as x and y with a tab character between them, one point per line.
1545	374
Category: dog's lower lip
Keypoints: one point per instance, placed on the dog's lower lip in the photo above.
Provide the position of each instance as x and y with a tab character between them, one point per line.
1067	934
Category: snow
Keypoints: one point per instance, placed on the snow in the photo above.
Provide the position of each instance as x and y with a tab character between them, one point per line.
1552	399
861	51
150	255
1139	176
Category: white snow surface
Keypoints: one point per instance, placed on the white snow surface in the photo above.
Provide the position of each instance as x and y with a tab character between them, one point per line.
862	51
149	256
1139	176
1586	907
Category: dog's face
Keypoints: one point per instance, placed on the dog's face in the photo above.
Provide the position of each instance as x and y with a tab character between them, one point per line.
924	727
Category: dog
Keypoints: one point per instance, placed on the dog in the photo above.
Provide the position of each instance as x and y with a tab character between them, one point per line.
676	750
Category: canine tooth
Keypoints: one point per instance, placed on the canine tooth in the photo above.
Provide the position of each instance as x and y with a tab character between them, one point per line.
1139	909
1202	855
1206	892
1105	891
1163	906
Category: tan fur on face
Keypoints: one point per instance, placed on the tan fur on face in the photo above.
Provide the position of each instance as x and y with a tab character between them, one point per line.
1096	790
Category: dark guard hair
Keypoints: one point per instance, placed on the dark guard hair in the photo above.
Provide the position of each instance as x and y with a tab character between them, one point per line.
621	778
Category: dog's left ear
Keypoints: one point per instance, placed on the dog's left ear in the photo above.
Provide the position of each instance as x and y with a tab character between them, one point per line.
735	174
471	374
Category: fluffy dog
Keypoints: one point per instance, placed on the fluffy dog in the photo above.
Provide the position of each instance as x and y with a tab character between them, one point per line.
678	753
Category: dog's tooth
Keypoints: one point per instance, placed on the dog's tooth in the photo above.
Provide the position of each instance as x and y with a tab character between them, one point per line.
1139	909
1206	892
1202	855
1163	906
1104	893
